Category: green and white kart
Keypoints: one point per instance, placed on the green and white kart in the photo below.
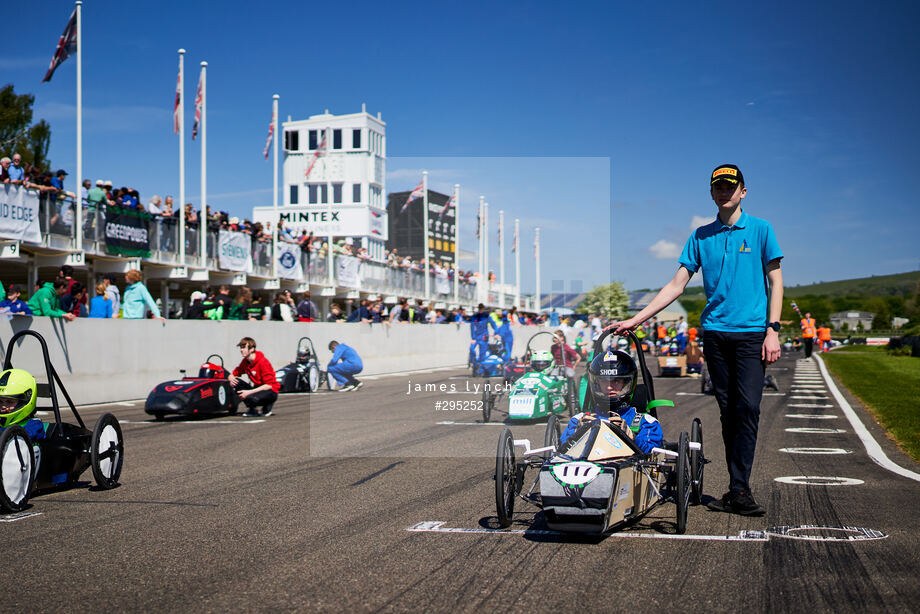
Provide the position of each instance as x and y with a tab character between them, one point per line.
536	395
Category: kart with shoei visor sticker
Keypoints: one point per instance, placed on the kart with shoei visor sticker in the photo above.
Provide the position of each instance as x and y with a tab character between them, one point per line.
599	479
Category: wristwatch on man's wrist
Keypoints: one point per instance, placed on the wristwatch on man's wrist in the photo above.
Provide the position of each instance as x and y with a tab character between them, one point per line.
774	325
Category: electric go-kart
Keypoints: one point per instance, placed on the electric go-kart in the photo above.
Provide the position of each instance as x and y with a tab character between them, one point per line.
492	365
599	479
66	451
209	393
538	393
304	374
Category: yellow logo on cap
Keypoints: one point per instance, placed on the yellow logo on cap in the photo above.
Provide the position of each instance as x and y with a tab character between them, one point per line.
724	171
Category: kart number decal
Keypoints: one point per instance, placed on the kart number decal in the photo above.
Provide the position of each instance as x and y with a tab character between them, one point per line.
521	405
221	395
578	473
613	441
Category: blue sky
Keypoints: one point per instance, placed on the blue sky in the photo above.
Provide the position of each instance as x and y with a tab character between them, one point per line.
814	101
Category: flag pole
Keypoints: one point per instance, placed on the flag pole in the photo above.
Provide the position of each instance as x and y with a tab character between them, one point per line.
536	243
517	263
78	204
485	248
324	143
181	157
425	225
457	244
203	238
275	215
480	281
501	259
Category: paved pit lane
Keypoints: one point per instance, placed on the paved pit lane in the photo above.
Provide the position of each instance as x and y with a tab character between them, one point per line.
308	511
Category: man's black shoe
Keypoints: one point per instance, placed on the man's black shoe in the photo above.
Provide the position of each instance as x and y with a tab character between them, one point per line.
737	502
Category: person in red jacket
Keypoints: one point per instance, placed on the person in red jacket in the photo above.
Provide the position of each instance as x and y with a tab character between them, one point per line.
263	389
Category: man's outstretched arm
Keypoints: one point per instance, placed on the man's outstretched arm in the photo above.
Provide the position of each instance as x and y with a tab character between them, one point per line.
665	297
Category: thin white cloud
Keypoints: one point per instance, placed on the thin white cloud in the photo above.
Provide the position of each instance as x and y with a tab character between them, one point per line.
750	104
135	118
699	220
664	250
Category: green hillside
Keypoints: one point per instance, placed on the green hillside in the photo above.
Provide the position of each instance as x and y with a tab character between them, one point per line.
877	285
887	296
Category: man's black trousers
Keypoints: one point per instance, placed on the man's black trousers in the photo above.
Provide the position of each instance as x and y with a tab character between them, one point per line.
809	344
263	398
737	373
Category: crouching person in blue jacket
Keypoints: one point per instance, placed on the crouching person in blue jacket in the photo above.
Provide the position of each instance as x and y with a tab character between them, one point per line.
344	365
612	382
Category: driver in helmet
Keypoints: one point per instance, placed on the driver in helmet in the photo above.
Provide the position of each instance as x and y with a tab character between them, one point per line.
540	361
17	402
612	382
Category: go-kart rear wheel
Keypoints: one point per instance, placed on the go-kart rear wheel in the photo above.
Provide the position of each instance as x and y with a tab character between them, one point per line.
487	403
107	451
159	416
683	482
696	462
312	378
505	479
770	382
16	469
553	434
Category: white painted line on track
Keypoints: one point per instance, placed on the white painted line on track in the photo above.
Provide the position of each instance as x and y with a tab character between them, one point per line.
873	449
812	416
815	451
805	532
192	422
818	480
810	397
702	394
19	516
452	423
809	405
815	430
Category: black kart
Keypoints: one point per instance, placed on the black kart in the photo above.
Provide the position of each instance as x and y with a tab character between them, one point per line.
209	393
304	374
66	451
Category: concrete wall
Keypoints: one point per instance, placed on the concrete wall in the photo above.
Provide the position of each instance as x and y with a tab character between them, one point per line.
115	360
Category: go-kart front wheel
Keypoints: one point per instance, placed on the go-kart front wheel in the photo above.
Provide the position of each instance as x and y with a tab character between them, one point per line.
553	434
683	482
312	378
697	462
16	469
488	401
505	479
107	451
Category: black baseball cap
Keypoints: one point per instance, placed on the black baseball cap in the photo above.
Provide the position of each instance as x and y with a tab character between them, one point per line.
727	172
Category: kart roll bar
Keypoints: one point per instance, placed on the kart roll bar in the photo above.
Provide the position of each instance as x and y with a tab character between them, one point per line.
646	375
312	349
51	374
219	357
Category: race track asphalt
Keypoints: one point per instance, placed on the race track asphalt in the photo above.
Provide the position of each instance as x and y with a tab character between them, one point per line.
310	510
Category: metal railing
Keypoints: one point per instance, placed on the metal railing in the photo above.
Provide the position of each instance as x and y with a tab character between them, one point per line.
57	219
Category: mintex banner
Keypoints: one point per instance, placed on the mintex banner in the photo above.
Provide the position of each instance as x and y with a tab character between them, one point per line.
126	232
19	214
234	251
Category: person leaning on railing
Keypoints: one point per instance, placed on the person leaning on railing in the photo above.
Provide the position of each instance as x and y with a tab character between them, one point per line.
46	301
137	300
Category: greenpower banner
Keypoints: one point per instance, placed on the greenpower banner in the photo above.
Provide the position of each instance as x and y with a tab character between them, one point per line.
126	232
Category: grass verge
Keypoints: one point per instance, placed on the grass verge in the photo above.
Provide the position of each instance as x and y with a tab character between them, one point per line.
889	386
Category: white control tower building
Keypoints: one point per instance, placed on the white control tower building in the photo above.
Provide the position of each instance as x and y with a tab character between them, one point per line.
335	179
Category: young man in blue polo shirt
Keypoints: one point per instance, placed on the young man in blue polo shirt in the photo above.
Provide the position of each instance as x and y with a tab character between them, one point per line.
740	260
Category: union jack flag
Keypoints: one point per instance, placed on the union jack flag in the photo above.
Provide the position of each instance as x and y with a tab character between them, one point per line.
418	192
321	151
499	236
514	240
479	220
178	104
199	99
67	46
450	202
271	133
